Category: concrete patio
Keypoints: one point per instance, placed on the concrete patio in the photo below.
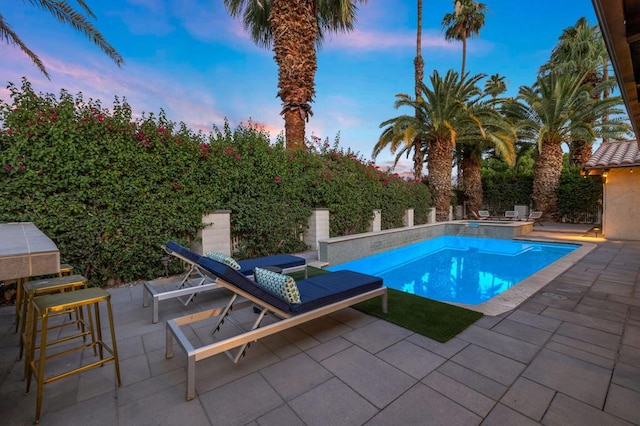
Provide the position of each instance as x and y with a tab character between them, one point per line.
569	355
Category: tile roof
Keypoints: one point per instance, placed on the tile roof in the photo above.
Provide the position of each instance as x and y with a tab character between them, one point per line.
615	154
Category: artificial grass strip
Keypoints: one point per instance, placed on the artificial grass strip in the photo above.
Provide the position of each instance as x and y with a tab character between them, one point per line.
436	320
311	272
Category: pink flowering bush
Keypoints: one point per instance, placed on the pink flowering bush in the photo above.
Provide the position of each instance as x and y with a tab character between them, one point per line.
110	189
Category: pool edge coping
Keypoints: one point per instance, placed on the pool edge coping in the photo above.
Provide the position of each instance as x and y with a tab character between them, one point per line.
527	288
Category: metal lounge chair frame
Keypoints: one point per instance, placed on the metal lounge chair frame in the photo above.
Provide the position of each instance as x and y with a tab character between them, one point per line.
511	215
191	283
245	295
535	218
195	281
483	214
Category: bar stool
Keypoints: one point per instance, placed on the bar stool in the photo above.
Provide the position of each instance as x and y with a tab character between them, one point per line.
44	307
65	269
31	289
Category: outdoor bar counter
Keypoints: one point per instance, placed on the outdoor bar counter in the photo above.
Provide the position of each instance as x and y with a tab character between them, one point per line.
25	251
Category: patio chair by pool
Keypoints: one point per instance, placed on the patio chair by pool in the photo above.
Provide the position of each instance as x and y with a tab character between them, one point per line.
195	281
511	215
483	214
535	218
318	296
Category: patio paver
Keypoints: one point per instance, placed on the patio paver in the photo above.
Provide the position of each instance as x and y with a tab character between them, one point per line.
568	355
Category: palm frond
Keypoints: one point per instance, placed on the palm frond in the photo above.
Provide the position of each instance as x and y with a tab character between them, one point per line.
66	14
9	36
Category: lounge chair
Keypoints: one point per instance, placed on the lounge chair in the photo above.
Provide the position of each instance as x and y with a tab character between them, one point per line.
195	281
483	214
511	215
319	296
535	218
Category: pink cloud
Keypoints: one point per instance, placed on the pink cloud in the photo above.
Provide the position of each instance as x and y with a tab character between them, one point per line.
379	40
404	167
144	89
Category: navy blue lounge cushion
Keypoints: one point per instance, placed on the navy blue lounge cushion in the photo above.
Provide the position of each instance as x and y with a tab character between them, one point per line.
183	251
315	292
329	288
282	261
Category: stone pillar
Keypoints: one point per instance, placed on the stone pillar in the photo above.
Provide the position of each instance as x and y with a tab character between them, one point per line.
216	233
376	223
407	220
431	216
318	228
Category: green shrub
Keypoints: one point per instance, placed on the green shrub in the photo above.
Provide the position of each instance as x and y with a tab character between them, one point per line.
502	190
578	195
109	188
267	191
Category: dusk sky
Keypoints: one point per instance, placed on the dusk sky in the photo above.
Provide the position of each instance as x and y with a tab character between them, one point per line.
191	59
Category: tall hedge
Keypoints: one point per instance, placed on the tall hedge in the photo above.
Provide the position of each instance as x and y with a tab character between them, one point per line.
110	186
578	195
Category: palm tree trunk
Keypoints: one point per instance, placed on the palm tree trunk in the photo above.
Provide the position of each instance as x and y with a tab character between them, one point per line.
439	166
295	30
546	177
418	64
464	57
605	94
580	153
472	181
294	126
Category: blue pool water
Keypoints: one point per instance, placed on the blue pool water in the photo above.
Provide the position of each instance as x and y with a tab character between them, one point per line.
459	269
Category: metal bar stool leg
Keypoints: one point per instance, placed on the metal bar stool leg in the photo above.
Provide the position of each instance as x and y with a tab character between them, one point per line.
114	346
18	300
43	356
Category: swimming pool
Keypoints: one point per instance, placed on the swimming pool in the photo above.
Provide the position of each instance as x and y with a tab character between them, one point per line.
457	269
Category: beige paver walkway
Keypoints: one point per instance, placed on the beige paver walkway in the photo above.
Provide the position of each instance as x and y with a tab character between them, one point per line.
570	355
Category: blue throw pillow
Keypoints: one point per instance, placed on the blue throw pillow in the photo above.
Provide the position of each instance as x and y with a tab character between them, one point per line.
223	258
281	285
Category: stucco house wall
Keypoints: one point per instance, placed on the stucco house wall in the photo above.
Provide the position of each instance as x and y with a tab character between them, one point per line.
621	204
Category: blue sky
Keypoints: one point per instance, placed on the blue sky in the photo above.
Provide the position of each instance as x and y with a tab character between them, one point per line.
191	59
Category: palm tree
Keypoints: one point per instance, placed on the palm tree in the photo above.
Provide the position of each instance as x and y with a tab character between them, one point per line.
445	111
581	50
418	62
466	21
495	86
67	15
499	136
496	134
555	109
294	28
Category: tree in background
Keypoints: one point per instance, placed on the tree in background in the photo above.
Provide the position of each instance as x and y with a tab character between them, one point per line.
466	21
294	28
555	109
581	50
495	86
495	134
446	110
67	15
418	62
